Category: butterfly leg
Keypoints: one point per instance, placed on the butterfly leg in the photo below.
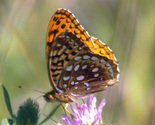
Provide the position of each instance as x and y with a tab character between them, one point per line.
66	105
83	101
65	108
101	121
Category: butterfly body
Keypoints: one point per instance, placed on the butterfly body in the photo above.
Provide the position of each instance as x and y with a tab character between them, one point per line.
78	64
59	96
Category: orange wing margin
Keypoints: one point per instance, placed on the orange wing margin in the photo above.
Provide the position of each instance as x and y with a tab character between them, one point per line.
64	20
102	49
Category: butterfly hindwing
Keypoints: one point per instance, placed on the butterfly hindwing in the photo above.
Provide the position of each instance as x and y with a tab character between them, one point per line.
75	68
90	74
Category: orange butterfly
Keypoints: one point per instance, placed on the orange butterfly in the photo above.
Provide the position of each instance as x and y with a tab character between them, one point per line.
78	64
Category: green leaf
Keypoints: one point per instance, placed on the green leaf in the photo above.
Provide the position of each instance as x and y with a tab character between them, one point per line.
7	100
7	121
50	114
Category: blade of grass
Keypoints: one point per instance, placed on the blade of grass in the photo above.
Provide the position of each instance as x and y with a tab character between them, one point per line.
7	100
50	114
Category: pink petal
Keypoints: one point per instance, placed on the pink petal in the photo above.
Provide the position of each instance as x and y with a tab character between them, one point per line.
102	104
76	113
91	103
66	120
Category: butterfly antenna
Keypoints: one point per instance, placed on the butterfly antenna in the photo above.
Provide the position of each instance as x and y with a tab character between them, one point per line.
38	97
31	89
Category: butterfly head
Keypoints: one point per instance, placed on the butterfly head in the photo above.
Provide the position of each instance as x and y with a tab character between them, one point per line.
50	96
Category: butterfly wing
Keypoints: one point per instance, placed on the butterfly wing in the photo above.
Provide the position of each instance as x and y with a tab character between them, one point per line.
81	72
66	42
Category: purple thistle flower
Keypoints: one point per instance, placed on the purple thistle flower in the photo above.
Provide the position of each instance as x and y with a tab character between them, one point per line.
86	114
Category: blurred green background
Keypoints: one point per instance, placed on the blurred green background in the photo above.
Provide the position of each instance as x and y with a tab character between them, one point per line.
127	26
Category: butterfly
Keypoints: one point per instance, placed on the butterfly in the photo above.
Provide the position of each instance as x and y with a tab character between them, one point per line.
78	64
